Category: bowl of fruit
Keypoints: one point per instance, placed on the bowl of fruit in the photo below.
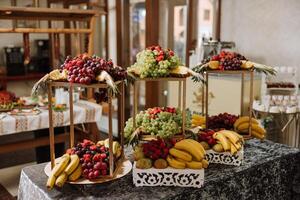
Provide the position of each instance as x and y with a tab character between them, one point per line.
87	163
170	161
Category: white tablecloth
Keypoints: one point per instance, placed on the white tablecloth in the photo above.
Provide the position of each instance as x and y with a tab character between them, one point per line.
84	112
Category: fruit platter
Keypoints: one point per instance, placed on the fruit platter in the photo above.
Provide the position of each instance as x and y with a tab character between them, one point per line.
169	162
163	122
156	62
227	61
88	163
85	70
223	146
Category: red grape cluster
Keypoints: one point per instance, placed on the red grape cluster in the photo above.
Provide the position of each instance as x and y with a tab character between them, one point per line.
223	120
94	159
156	110
161	53
156	149
84	69
207	136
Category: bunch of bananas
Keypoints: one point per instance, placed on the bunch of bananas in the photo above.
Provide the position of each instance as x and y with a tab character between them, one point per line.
198	120
241	125
228	141
187	153
68	168
117	149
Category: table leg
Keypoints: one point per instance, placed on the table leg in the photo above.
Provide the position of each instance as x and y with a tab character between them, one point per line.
110	136
51	128
71	116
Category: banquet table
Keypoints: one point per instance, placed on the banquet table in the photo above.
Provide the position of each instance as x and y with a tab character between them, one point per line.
269	171
84	112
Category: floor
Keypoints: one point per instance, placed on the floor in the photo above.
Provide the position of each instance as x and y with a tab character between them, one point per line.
10	177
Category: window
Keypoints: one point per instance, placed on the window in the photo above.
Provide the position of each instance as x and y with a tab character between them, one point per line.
206	14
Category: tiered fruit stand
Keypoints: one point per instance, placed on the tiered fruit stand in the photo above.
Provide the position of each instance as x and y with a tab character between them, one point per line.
71	86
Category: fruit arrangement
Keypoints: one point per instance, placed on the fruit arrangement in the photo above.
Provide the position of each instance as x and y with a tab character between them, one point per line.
7	100
156	62
223	120
241	125
221	141
84	69
162	122
86	159
231	61
161	153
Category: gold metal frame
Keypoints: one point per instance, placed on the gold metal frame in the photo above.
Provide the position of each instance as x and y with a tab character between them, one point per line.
234	72
71	86
181	98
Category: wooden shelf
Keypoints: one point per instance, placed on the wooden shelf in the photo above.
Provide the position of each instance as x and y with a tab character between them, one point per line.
30	76
44	30
47	14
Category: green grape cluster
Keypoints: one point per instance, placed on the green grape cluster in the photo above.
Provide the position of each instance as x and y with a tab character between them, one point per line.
164	125
149	65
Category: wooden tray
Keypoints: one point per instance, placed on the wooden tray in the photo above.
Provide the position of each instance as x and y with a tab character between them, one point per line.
123	168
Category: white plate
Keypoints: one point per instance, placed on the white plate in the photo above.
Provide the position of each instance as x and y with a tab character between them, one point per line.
122	169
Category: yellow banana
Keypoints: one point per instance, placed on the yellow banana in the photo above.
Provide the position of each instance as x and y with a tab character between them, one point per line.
255	127
192	149
180	154
194	165
198	117
257	135
218	148
238	145
229	134
73	164
60	167
175	163
233	150
198	145
101	142
213	64
247	64
117	149
60	181
51	181
243	119
205	163
223	140
76	174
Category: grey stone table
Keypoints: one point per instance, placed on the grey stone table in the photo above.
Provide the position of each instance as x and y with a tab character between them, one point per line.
269	171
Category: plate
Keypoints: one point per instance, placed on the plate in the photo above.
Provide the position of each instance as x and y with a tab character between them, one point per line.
24	112
123	168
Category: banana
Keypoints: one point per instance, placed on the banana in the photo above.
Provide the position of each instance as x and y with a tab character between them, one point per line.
73	164
223	140
60	167
233	149
205	145
101	142
76	174
257	135
255	127
194	165
243	119
60	181
117	150
232	137
247	64
205	163
175	163
51	181
198	117
180	154
185	145
218	148
238	146
198	145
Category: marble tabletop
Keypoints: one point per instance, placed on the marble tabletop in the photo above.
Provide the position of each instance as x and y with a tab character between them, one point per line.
269	171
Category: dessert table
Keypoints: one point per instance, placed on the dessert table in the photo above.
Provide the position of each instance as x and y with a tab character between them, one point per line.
269	171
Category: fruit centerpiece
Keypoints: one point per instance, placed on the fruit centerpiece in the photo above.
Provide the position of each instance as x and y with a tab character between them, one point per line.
86	163
156	62
163	122
85	69
171	161
231	61
7	101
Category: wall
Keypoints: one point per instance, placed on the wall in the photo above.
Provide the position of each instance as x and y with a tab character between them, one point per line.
266	31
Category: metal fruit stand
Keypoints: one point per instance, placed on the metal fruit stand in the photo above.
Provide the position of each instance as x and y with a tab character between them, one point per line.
71	86
242	73
181	100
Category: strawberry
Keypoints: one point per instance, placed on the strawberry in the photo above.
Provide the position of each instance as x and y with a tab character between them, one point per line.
93	148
